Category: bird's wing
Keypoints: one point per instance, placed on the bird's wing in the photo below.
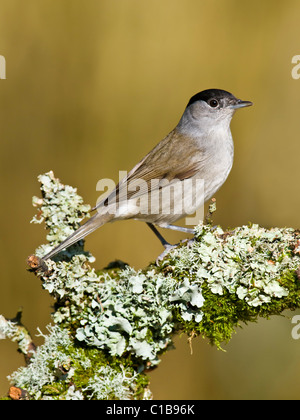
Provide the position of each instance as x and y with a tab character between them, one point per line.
165	163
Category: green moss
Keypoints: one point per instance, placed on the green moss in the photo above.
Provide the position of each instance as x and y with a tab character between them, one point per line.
222	314
87	360
56	389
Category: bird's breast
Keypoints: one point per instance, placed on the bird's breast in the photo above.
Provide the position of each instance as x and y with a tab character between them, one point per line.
217	162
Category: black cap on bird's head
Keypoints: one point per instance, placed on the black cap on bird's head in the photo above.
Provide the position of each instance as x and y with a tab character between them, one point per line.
218	98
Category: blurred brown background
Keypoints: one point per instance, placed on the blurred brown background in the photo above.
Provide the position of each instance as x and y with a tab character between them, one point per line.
91	87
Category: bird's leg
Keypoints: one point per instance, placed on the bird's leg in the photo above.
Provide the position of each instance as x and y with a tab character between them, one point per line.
168	247
179	228
164	243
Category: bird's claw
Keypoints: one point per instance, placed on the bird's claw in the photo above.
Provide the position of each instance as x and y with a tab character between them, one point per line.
168	248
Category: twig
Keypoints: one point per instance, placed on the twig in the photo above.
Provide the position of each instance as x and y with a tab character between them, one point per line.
211	209
16	331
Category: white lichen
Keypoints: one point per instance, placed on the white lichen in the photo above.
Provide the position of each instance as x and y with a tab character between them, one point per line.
107	383
44	363
249	262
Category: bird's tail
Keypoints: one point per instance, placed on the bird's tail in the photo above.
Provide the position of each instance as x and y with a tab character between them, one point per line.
92	224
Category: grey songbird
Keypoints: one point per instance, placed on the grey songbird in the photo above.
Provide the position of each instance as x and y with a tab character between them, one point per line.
163	187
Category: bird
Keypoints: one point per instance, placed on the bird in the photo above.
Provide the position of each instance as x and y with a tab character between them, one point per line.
177	176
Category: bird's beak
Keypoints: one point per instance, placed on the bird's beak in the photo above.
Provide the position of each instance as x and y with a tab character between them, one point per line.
240	104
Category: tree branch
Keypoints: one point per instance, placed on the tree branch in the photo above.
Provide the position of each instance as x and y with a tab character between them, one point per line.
111	326
16	331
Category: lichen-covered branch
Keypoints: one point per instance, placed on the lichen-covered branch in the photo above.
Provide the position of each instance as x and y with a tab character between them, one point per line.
110	326
16	331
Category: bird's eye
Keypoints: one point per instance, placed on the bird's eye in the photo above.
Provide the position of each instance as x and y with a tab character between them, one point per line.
213	103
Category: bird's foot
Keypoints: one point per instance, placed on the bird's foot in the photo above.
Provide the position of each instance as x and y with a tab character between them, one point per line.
189	242
168	248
